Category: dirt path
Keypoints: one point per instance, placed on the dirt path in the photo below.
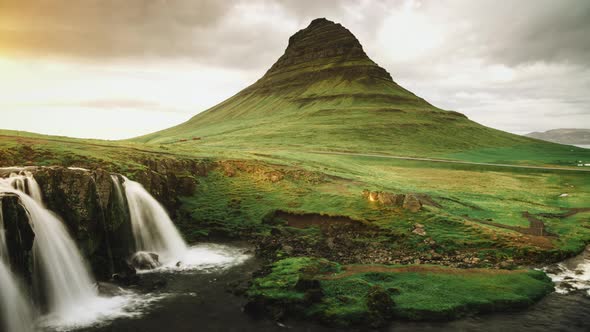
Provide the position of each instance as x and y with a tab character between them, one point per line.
350	270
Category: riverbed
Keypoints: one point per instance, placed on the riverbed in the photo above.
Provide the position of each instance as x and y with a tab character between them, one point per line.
200	300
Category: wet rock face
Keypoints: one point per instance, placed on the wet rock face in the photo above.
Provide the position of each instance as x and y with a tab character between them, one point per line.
75	196
19	235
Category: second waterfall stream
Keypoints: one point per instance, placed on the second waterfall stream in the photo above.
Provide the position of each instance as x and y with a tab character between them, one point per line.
153	231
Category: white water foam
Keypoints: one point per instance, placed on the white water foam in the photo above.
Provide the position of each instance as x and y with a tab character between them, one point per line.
206	257
101	311
572	274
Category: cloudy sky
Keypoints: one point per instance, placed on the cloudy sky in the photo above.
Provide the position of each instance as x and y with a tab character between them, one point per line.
122	68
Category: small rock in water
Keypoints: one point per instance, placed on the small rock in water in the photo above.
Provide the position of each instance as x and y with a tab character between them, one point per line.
108	289
567	286
554	270
143	260
564	195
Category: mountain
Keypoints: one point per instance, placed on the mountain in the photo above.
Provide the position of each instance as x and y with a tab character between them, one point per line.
324	92
564	136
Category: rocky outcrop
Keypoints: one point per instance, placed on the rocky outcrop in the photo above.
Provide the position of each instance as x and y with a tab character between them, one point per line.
169	179
410	202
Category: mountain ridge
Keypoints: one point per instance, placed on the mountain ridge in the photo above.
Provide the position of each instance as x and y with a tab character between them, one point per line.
563	135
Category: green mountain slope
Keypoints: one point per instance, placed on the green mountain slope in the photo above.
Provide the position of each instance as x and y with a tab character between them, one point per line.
325	93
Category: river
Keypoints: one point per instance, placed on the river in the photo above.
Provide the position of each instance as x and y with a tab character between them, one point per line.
199	300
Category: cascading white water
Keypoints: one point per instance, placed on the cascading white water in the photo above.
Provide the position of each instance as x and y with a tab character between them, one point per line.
15	312
572	274
67	279
118	190
153	230
25	182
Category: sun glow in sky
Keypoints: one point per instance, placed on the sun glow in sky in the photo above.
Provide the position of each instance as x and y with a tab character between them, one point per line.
107	101
122	69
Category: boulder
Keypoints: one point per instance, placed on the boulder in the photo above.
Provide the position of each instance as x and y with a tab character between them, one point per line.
144	260
386	198
412	203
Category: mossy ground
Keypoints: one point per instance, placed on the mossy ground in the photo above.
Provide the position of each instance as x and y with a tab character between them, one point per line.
345	295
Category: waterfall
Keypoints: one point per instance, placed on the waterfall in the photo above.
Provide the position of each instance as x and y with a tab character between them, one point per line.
64	272
118	190
25	182
3	251
15	312
153	230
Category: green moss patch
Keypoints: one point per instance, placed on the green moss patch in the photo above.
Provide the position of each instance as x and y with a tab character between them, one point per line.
373	294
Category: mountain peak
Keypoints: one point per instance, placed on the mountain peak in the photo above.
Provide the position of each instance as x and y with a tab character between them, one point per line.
323	49
323	41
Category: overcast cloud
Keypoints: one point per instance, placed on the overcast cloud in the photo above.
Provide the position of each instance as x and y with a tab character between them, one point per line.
85	68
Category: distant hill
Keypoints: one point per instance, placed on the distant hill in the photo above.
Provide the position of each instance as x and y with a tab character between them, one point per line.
564	136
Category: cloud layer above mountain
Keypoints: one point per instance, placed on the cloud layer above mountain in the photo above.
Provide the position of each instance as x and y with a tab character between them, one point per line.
520	67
